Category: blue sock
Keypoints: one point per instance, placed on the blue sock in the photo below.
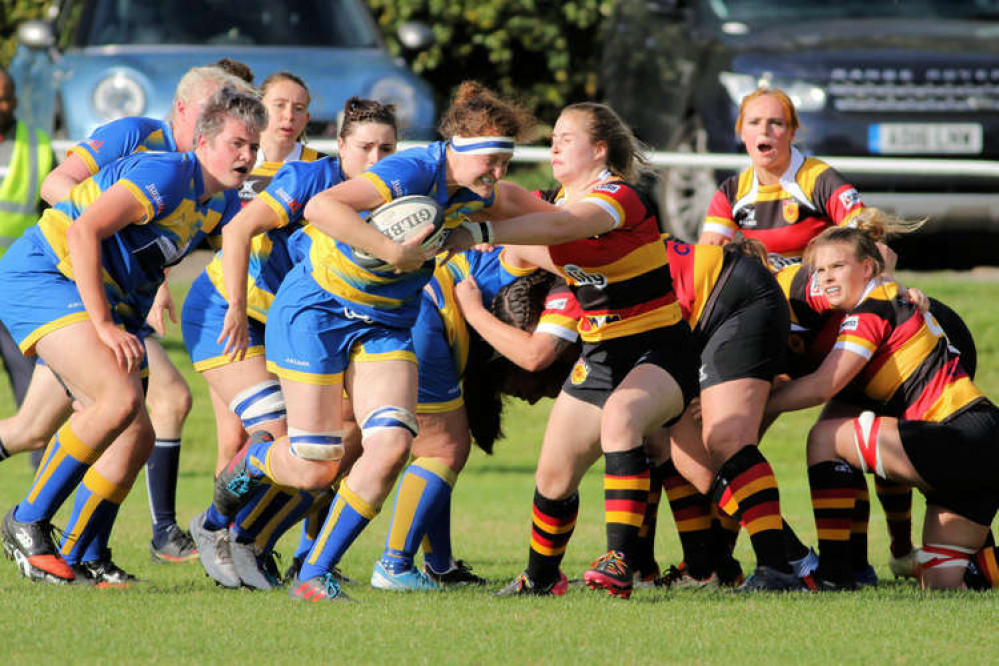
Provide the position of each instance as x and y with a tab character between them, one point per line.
425	488
437	543
313	522
94	510
65	462
214	520
161	484
295	509
348	517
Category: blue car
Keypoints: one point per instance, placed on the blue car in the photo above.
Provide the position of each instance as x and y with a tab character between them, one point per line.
98	60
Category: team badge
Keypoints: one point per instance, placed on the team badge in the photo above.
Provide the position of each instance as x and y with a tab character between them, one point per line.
790	211
580	371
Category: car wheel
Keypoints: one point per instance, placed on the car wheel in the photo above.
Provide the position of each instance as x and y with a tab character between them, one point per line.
684	193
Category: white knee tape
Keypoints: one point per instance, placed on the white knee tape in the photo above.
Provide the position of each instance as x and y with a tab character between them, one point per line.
943	556
387	417
259	404
866	429
316	445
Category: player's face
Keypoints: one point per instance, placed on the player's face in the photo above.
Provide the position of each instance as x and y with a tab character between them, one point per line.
767	133
479	173
840	275
229	157
287	105
574	155
366	144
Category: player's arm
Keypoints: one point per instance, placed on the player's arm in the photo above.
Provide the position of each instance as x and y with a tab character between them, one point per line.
114	209
64	178
237	235
836	371
531	351
512	200
335	213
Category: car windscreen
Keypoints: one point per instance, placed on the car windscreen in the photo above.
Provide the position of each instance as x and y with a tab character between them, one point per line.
754	11
337	23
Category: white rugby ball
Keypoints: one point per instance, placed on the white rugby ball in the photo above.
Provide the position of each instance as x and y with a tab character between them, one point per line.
403	218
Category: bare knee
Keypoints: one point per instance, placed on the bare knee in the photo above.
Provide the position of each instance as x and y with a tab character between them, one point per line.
171	401
821	442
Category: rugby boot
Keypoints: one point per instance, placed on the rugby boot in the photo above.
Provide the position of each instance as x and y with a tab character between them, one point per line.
524	586
33	550
610	572
214	552
320	588
458	575
178	547
768	579
103	573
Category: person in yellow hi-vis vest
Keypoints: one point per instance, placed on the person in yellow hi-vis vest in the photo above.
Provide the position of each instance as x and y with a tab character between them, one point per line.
25	159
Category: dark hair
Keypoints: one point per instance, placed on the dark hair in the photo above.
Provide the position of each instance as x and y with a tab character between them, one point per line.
477	111
238	69
277	77
228	103
357	111
625	154
519	304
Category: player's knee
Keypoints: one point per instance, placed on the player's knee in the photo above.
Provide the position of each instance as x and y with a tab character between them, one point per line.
259	404
316	445
121	408
390	423
942	566
821	442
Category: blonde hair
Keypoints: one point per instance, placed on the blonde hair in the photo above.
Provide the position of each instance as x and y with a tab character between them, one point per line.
879	225
195	79
790	113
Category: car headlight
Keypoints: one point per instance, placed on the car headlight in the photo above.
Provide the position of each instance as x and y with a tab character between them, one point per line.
117	96
806	96
394	90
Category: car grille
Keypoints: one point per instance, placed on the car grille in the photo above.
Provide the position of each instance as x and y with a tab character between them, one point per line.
960	90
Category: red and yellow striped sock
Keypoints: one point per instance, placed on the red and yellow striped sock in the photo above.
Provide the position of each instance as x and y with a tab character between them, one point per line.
626	491
692	516
747	488
833	499
859	523
551	528
896	500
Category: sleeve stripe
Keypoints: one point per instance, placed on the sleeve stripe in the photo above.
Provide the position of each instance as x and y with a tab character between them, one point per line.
274	205
716	228
611	208
858	349
87	158
141	197
557	331
379	184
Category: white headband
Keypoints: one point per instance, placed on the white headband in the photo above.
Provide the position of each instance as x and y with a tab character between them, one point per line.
482	145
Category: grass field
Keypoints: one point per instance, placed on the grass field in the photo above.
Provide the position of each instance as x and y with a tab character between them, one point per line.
179	616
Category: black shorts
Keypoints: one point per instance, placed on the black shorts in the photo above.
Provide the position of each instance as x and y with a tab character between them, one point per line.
603	365
959	459
743	331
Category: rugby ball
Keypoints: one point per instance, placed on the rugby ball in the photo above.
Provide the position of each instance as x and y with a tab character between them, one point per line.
403	218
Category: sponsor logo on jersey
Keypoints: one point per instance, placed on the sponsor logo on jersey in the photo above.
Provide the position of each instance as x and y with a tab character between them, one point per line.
557	304
95	145
247	190
813	286
851	323
295	361
749	220
580	371
350	314
702	374
596	321
396	187
579	276
849	198
157	198
607	188
291	202
790	210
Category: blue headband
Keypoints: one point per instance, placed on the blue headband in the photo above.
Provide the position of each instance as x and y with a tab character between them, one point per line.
482	145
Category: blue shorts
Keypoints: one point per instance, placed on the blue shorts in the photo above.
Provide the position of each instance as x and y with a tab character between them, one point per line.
201	322
37	298
439	384
312	336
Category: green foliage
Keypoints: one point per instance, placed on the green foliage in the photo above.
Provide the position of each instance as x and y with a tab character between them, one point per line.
543	52
13	12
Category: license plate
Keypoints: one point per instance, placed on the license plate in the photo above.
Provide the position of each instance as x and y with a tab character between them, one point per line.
925	138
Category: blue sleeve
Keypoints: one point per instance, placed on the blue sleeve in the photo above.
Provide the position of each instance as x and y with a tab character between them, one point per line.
297	182
115	140
408	172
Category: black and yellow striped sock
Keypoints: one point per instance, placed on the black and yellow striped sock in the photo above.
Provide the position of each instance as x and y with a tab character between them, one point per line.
896	500
833	499
859	524
747	488
626	489
692	516
551	528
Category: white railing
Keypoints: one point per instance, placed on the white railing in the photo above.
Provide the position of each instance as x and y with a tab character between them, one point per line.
894	165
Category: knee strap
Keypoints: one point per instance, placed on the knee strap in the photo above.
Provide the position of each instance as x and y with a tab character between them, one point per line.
316	445
866	429
259	404
941	556
387	417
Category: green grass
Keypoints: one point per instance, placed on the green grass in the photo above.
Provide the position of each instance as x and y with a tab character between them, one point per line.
178	615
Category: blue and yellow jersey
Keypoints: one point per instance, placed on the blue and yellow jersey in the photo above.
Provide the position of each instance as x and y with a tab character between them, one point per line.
169	186
122	137
384	296
489	271
270	257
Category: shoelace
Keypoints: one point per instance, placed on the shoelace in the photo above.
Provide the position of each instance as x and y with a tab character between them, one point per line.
672	576
611	561
222	552
331	585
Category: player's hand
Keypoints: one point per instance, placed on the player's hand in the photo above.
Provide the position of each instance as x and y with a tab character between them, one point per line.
235	334
163	302
468	295
127	349
918	298
410	255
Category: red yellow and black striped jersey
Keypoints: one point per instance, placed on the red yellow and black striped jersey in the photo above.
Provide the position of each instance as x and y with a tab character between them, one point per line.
910	369
695	270
561	315
621	277
810	197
